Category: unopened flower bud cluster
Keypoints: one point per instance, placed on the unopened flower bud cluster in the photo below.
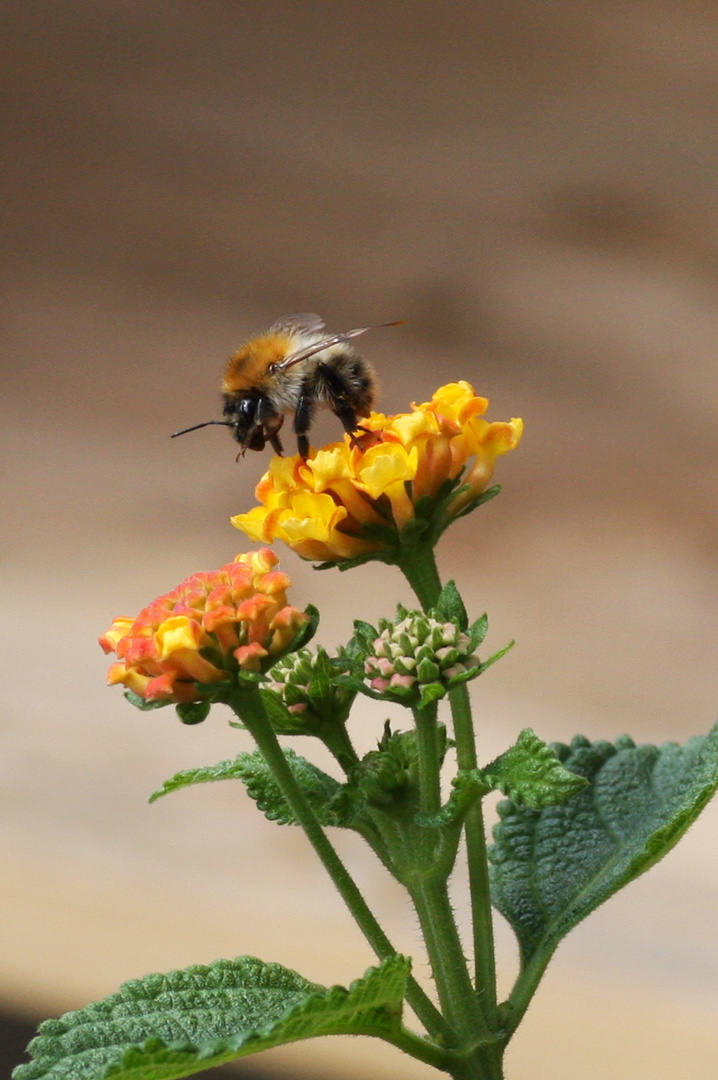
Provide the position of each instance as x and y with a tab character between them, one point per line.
418	649
296	670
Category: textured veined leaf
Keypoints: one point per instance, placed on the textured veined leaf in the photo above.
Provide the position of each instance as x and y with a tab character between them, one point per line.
163	1027
552	867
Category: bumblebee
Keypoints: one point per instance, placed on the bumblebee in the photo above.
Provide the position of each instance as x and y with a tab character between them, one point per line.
294	368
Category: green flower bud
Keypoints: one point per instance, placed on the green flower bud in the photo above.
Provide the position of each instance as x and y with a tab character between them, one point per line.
306	683
416	650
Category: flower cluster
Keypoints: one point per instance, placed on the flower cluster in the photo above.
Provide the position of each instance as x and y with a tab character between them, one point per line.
307	685
290	678
301	677
337	504
306	695
416	651
210	628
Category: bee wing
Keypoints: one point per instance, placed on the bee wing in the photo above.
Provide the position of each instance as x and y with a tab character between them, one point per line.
306	322
327	342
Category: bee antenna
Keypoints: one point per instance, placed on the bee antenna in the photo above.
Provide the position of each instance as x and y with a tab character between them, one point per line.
196	427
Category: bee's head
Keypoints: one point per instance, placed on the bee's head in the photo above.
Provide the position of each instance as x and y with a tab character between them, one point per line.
253	418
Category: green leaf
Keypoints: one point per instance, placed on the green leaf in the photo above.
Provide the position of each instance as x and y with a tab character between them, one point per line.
319	789
496	656
251	768
530	773
282	720
450	607
385	534
364	637
485	497
163	1027
478	630
193	712
140	703
387	555
431	506
467	786
305	633
414	532
431	692
552	867
214	655
205	774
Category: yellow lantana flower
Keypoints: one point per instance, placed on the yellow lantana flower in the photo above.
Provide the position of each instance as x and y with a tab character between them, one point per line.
339	503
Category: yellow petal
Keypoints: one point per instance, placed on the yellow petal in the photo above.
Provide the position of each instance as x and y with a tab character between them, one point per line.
311	517
328	465
383	465
256	524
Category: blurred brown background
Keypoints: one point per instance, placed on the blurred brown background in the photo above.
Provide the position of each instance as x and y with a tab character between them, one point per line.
533	187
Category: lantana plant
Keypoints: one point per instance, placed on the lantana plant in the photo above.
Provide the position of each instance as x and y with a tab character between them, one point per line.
577	822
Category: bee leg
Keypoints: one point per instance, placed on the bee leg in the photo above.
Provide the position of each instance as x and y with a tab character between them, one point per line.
352	437
268	421
339	393
303	420
347	416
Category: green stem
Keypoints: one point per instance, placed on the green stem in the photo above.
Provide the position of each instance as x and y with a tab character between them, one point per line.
459	1003
481	1062
420	569
524	990
421	1049
336	739
249	708
477	859
429	759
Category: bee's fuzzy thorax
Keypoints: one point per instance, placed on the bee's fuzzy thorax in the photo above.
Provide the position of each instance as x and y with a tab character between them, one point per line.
247	368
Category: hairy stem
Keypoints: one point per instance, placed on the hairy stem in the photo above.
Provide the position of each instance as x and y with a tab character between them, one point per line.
459	1003
249	708
429	759
475	831
420	569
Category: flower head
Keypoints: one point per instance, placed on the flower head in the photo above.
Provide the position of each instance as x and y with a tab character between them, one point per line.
417	656
306	683
211	629
311	698
353	499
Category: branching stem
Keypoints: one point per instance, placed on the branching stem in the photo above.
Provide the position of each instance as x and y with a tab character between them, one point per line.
420	569
249	708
